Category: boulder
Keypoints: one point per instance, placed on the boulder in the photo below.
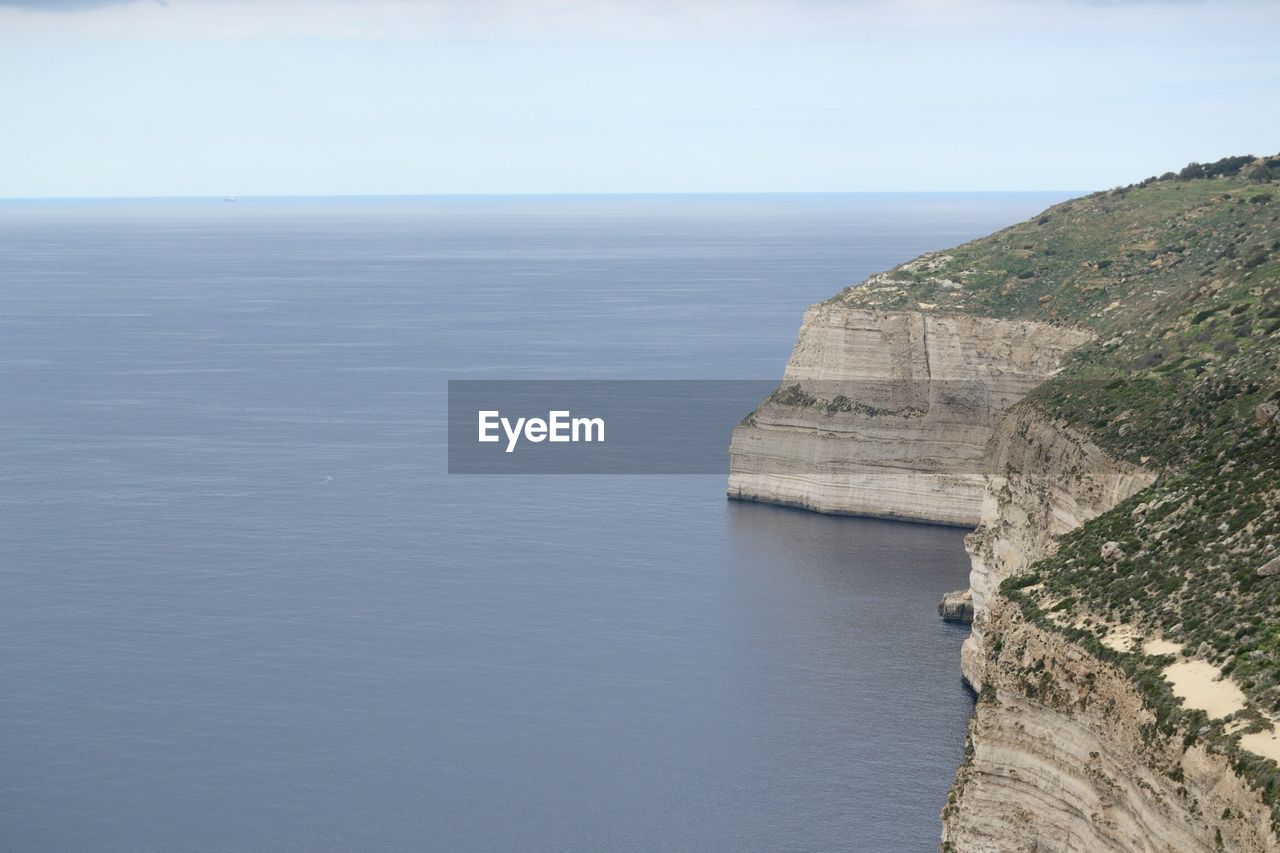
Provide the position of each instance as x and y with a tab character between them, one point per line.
956	606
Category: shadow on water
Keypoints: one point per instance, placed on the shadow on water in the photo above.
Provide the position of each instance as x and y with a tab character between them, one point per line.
851	606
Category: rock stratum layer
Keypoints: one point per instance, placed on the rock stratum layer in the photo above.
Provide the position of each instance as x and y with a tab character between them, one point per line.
1095	390
1061	757
888	413
1061	742
1044	480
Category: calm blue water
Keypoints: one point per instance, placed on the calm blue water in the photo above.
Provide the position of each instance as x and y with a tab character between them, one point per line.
206	644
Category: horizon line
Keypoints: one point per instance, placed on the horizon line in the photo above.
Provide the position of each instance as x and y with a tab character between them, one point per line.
231	198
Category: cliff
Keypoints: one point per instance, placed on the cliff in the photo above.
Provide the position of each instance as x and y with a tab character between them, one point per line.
1096	390
1044	480
1064	754
889	413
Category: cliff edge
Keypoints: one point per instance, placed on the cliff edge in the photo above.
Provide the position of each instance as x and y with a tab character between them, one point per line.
1096	391
888	413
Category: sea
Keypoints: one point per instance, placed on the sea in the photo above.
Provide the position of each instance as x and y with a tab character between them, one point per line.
244	605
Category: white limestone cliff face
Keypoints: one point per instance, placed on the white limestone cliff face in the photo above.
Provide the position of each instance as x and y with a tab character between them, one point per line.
1062	756
1061	753
1044	480
888	413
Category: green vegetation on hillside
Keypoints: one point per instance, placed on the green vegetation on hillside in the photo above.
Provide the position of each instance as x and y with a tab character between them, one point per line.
1179	277
1110	261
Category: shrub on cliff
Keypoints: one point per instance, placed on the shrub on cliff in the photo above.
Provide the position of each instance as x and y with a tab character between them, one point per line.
1225	167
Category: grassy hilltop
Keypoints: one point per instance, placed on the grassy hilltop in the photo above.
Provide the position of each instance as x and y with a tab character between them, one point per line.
1179	277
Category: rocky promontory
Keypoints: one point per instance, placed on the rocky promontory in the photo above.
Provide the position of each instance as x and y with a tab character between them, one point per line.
1095	392
889	413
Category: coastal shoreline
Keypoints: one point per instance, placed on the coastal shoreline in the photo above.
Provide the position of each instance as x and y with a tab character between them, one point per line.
1090	475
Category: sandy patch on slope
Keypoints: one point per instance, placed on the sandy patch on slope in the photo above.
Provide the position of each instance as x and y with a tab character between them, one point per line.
1161	647
1121	638
1199	684
1266	744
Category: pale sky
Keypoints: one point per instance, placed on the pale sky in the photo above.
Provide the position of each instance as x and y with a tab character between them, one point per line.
317	97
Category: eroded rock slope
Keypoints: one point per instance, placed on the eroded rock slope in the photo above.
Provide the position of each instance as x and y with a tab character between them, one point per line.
1097	391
